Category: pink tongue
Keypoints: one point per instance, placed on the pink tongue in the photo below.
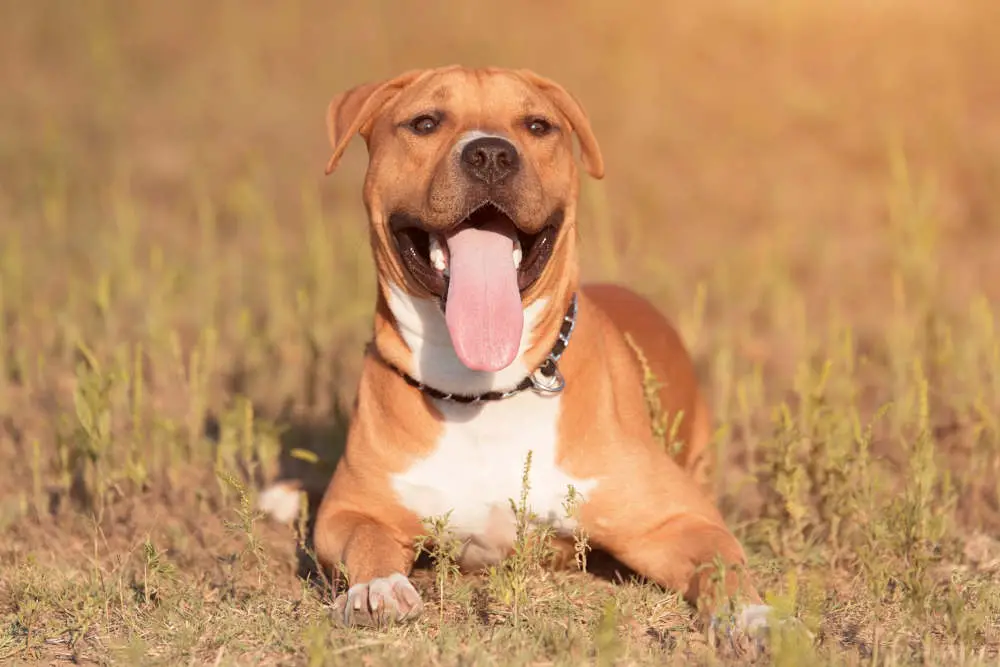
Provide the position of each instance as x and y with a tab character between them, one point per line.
483	309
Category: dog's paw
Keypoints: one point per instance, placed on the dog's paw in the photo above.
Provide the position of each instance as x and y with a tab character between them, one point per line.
280	501
753	618
754	622
750	621
379	603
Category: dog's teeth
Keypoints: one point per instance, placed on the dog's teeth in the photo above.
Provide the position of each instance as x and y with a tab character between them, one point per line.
517	254
437	256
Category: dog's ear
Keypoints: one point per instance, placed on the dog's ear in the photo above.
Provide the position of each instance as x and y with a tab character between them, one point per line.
570	107
352	111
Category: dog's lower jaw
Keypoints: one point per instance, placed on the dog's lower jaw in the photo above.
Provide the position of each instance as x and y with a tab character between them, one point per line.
419	344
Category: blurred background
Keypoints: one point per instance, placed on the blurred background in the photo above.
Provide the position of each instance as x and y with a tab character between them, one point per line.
777	174
809	189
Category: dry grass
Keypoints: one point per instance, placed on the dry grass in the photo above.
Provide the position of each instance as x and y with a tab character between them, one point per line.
809	188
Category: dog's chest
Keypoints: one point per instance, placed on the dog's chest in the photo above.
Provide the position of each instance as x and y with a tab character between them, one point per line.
478	468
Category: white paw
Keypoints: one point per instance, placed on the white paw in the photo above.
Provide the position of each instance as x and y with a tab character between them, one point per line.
752	619
280	501
379	602
756	622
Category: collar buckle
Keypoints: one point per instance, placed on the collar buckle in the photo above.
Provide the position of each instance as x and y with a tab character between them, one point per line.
548	383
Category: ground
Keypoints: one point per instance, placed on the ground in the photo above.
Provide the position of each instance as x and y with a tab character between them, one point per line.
809	189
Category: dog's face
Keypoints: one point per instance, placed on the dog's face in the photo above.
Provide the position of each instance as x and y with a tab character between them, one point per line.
471	184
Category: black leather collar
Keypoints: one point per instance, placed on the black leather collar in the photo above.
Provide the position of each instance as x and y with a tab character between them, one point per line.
546	379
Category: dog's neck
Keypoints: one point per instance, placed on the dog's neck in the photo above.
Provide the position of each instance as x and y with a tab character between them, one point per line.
411	334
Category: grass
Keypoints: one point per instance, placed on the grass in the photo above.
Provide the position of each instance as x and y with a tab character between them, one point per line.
808	189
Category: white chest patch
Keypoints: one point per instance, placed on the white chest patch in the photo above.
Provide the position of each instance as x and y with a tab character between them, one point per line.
477	470
477	467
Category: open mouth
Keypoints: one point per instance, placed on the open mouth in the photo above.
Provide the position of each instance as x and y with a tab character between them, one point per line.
478	269
427	257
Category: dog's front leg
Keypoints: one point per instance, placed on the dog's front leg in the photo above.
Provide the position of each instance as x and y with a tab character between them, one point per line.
657	521
691	554
376	560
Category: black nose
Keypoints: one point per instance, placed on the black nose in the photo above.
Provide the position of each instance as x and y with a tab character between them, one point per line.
490	159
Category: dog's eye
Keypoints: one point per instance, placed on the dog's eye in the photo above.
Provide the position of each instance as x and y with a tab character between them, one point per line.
538	126
423	125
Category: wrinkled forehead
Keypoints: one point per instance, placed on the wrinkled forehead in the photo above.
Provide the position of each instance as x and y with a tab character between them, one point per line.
474	98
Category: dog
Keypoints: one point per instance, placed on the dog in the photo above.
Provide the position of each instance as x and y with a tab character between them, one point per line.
486	349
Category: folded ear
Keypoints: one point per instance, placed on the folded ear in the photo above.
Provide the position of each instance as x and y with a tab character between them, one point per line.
351	111
570	107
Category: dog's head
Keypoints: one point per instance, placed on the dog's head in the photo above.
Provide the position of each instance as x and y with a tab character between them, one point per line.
471	191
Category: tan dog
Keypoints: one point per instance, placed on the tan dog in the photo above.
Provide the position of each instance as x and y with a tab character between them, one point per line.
487	348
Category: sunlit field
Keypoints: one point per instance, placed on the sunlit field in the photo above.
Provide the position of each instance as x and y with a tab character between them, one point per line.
810	190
